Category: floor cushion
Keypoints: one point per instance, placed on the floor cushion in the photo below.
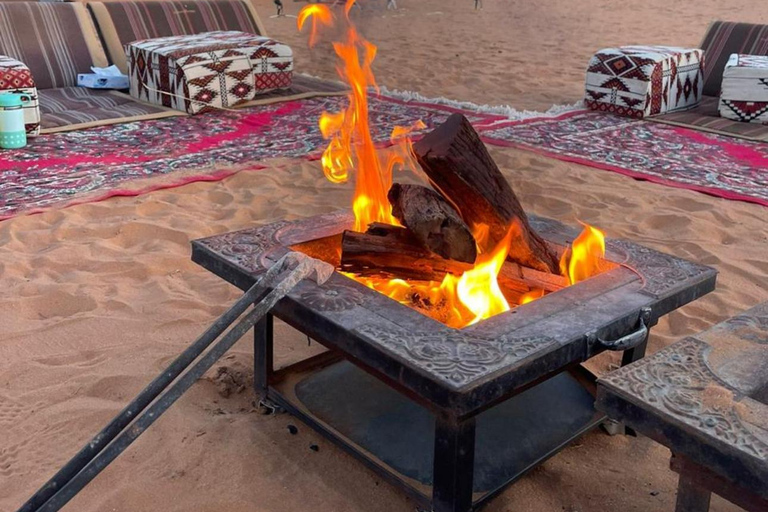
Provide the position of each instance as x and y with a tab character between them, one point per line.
744	93
641	81
126	21
724	38
16	77
197	73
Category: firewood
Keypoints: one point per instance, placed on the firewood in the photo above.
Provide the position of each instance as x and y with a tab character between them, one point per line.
433	222
389	251
393	251
460	168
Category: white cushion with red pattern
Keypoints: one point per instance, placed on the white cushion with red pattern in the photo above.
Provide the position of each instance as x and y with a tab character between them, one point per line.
642	81
744	92
196	73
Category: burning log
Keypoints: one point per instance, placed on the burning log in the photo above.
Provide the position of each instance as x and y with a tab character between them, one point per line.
389	251
386	249
433	222
459	167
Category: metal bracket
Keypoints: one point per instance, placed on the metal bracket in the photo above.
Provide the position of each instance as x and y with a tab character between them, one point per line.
625	342
267	407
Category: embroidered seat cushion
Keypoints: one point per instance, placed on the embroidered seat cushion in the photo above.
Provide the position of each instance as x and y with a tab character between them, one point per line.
196	73
744	92
642	81
17	78
126	21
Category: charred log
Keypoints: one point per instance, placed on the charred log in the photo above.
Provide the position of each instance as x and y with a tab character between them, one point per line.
433	222
460	168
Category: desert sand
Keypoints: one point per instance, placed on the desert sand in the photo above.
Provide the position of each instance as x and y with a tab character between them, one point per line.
98	298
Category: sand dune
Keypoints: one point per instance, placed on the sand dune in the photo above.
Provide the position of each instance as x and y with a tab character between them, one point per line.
98	298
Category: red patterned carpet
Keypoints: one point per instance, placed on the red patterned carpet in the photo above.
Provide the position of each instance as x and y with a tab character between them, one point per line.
678	157
131	159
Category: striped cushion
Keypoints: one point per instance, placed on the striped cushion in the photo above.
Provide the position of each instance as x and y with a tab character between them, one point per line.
124	22
724	38
55	40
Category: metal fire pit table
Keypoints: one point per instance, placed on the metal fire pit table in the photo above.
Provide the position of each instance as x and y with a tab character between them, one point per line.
450	415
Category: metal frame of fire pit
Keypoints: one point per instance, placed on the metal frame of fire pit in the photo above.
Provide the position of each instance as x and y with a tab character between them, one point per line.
455	374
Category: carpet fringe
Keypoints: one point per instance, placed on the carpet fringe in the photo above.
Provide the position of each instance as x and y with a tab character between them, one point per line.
510	112
505	110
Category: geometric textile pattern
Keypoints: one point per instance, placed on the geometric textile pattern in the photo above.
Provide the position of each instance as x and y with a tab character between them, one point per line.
17	78
128	20
744	92
724	38
201	72
746	111
641	81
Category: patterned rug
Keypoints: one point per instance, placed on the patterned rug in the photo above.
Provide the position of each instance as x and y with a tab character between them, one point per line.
91	165
674	156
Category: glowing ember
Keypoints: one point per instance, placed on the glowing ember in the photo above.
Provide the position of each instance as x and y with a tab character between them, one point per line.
531	296
457	301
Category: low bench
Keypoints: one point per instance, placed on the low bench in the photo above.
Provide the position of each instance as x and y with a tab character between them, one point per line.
706	399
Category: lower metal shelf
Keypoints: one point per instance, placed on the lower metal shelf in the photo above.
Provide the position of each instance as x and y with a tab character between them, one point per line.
395	436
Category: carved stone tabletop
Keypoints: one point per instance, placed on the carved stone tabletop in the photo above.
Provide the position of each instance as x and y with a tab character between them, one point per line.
464	369
705	397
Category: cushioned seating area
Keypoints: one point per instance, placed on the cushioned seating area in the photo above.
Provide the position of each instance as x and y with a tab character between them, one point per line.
721	41
642	81
196	73
127	21
744	93
64	107
55	40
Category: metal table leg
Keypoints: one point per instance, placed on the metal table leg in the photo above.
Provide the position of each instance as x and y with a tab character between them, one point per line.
691	497
454	465
263	345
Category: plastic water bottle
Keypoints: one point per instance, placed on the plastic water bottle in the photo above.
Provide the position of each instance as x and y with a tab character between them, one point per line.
12	132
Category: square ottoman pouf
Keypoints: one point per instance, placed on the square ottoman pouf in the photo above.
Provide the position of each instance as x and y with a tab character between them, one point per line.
16	77
641	81
744	93
196	73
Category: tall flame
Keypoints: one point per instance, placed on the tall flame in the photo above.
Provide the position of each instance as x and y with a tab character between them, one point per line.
457	300
585	256
351	145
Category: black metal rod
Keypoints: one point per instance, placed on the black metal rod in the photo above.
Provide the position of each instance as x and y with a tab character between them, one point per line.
147	395
62	496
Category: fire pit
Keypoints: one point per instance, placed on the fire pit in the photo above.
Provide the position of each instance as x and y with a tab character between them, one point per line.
455	323
450	415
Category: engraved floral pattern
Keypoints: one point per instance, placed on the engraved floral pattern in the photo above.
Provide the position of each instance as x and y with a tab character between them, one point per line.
675	381
247	247
661	272
452	355
332	298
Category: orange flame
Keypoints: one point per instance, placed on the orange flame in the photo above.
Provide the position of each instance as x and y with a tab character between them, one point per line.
478	289
351	145
531	296
317	13
458	301
585	256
